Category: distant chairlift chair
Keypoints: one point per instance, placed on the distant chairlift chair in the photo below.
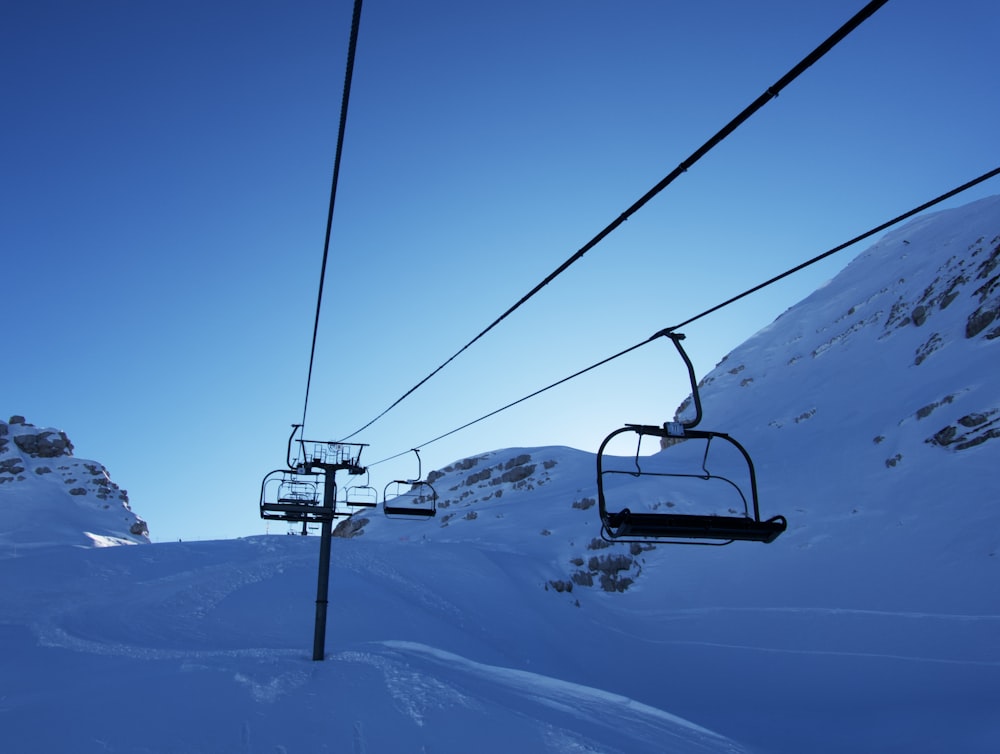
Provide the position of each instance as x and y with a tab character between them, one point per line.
292	496
410	498
361	495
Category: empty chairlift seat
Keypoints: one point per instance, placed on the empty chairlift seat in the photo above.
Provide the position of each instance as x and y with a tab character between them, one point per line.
626	484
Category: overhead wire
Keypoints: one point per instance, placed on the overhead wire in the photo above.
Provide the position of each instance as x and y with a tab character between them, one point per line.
868	233
770	93
519	400
791	271
345	99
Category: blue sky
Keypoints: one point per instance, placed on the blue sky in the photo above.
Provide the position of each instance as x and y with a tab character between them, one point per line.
166	172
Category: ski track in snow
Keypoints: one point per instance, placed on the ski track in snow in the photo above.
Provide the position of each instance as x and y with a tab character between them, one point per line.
583	702
56	637
681	614
413	693
831	652
688	611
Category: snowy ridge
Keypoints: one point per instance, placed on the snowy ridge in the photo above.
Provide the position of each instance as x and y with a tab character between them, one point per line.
876	395
921	303
47	496
532	500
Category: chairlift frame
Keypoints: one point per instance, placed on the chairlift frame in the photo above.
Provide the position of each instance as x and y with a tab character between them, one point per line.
325	455
420	491
293	496
361	495
624	525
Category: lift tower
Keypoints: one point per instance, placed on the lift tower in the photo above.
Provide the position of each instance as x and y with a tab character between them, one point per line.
294	495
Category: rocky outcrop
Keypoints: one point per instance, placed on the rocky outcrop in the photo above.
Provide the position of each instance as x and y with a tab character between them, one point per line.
968	431
481	478
37	468
45	444
351	527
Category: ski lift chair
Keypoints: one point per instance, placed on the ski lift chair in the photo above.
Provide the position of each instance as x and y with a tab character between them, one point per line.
419	501
291	496
361	495
410	498
633	521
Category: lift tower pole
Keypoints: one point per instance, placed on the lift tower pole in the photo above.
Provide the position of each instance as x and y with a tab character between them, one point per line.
329	458
323	577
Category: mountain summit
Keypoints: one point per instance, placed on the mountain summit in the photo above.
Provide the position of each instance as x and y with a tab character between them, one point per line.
47	496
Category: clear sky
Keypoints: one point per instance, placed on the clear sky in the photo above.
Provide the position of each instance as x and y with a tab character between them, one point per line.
165	180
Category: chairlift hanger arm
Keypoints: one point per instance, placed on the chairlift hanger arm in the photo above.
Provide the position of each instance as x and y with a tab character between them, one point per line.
676	338
291	438
420	467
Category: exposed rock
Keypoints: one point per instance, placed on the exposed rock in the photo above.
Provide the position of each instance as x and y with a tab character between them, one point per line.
968	431
980	319
933	343
974	420
12	466
609	563
517	474
479	476
518	461
46	444
350	527
925	411
609	570
583	578
139	528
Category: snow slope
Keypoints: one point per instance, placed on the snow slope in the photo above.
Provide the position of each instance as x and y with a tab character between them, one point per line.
505	623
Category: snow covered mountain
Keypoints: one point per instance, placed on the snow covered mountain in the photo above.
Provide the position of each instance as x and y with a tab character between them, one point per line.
47	496
871	412
871	403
